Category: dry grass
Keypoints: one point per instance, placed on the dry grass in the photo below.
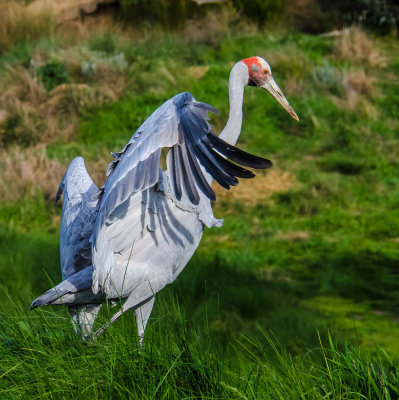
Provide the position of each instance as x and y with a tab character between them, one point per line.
206	30
19	83
197	72
19	23
169	73
360	82
28	113
27	172
293	65
211	28
295	236
359	90
96	169
271	273
257	190
38	116
355	47
42	116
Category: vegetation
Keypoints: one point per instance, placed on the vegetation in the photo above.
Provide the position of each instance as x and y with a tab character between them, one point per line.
295	297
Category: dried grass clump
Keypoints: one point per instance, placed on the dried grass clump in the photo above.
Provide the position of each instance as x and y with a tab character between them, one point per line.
360	82
293	64
355	47
19	83
94	26
106	75
255	191
73	99
29	114
359	90
32	115
20	23
210	29
26	172
294	236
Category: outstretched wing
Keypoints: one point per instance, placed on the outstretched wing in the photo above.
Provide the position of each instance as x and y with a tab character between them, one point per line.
78	216
181	124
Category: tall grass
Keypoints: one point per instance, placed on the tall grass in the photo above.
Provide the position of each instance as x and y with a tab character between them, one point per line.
42	357
19	23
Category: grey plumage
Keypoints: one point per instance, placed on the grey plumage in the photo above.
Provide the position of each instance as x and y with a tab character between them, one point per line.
130	238
78	215
133	236
77	282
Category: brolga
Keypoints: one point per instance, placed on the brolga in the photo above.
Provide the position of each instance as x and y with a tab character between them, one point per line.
126	241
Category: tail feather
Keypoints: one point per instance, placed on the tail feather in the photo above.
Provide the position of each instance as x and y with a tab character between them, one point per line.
82	280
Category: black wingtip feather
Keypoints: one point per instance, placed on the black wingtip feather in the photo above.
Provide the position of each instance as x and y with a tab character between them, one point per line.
239	156
199	176
198	145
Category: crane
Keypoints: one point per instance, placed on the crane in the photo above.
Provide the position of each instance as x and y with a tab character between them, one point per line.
126	241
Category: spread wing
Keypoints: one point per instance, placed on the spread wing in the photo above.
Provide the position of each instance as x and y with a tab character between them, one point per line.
181	124
78	216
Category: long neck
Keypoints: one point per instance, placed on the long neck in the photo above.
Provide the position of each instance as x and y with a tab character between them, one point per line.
238	80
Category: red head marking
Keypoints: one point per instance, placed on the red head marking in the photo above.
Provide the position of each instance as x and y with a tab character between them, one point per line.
255	71
252	61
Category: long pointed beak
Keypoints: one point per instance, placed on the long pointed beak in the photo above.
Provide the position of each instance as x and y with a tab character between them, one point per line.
271	86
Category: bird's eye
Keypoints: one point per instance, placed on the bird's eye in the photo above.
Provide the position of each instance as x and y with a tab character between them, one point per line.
265	71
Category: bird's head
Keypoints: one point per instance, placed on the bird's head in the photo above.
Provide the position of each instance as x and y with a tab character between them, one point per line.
260	74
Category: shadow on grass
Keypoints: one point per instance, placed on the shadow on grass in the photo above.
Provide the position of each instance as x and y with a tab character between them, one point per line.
230	297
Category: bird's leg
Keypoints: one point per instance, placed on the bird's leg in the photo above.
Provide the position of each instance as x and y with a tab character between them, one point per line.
87	316
74	312
142	313
132	301
101	330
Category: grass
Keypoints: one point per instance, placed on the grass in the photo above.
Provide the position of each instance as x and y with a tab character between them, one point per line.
295	297
42	353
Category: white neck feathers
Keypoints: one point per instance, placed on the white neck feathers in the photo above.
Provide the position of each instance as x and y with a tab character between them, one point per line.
238	80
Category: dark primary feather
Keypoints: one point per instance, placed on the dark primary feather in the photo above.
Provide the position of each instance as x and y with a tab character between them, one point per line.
199	177
237	155
201	146
181	124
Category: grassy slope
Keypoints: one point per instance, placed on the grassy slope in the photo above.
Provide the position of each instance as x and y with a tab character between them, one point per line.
250	315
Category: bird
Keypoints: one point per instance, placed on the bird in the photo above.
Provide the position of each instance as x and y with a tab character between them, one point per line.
124	242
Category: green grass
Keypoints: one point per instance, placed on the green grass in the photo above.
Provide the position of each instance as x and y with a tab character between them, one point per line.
42	354
257	313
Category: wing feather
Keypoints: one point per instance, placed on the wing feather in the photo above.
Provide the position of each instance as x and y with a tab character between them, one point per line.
188	176
196	156
78	216
177	170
